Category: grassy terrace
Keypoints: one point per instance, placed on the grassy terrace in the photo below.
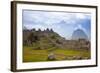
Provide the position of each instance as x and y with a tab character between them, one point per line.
31	55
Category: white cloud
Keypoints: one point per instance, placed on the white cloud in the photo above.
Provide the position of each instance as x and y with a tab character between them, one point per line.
45	17
82	16
44	20
48	17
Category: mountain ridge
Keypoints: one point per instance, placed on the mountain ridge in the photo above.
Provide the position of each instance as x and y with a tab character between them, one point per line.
79	34
45	39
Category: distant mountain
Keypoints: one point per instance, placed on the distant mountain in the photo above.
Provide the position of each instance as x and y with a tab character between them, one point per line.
79	34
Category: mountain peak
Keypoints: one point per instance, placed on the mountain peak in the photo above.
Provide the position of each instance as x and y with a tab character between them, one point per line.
79	34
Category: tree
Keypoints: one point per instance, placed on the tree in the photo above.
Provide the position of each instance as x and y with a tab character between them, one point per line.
51	30
33	29
39	30
47	29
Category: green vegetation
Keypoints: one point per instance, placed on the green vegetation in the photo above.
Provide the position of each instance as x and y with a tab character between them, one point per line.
31	55
47	45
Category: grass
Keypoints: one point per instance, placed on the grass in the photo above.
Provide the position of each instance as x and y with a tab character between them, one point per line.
31	55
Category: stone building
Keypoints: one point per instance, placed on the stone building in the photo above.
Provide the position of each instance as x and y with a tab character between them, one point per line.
78	44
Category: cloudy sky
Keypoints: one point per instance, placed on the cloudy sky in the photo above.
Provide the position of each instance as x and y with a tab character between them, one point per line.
64	23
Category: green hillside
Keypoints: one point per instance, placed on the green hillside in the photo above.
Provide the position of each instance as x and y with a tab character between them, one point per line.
39	45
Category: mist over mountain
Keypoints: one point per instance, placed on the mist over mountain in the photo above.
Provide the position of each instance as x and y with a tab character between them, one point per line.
79	34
